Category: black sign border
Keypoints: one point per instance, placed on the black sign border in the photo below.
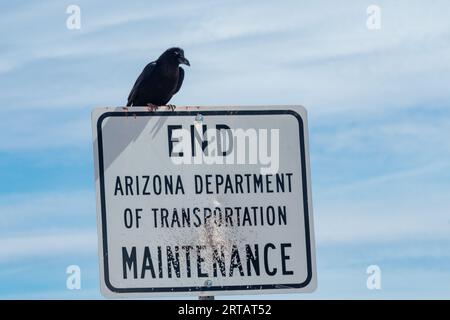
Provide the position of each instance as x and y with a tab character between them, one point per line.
207	113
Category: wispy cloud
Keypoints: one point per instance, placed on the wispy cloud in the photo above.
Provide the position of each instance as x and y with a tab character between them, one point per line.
378	106
398	176
48	244
46	211
347	225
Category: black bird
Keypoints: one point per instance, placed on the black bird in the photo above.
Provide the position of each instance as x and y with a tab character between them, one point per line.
159	80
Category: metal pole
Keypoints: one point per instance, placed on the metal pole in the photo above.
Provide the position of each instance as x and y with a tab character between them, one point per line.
208	283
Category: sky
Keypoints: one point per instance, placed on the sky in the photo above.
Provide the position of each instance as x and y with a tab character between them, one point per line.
379	120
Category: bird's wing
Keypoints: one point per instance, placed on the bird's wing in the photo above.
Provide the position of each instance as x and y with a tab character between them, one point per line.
144	74
180	80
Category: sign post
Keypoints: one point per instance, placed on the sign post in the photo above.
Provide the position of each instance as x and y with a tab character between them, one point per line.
204	201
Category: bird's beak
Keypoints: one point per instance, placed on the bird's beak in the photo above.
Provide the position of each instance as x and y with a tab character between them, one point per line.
183	60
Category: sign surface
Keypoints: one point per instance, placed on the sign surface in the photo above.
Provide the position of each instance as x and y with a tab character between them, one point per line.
203	201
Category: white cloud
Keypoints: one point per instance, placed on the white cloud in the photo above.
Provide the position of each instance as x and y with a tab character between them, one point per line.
415	137
37	131
42	202
386	179
48	244
392	208
318	55
383	225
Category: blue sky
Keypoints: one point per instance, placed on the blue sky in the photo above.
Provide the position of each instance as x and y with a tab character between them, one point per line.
379	116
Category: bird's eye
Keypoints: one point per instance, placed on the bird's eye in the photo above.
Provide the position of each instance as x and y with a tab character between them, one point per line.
177	53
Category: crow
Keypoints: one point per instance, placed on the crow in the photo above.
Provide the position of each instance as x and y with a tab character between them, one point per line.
159	80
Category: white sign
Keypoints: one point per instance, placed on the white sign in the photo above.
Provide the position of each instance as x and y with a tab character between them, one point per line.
204	201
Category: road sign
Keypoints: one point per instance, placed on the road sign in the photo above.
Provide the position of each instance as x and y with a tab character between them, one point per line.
203	201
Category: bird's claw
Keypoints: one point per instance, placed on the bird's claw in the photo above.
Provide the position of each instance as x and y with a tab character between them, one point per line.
152	107
171	107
